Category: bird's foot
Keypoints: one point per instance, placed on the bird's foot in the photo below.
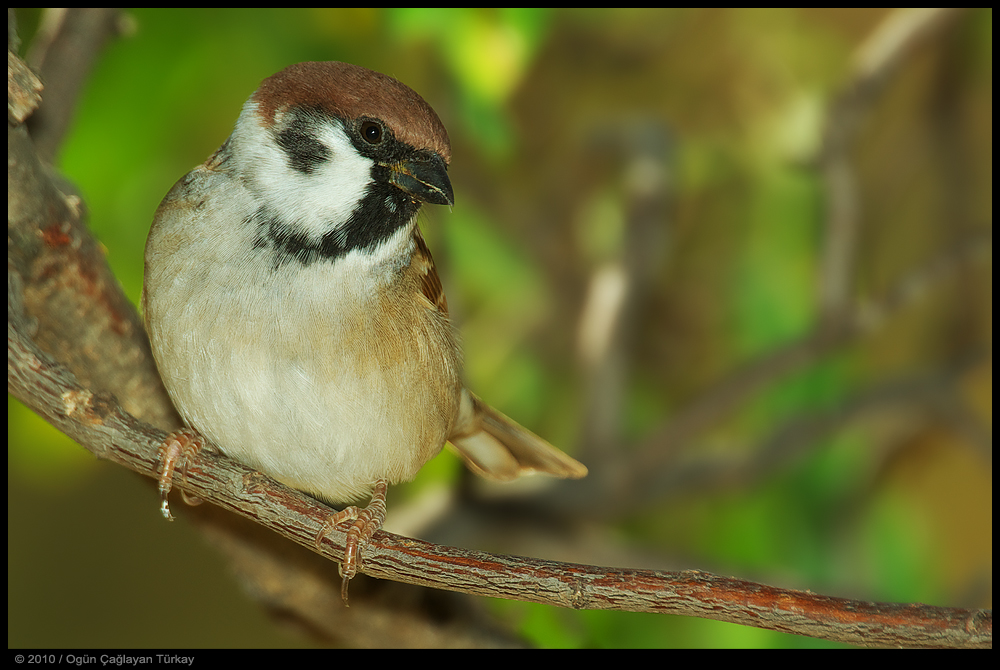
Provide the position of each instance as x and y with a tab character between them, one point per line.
364	524
179	449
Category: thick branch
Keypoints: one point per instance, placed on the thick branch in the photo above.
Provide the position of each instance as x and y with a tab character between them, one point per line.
74	304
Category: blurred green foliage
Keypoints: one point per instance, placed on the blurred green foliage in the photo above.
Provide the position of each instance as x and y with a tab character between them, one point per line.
524	93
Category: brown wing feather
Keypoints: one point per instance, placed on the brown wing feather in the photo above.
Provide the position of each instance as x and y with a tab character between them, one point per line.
430	283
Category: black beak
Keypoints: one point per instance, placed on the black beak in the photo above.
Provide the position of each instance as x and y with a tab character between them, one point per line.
424	177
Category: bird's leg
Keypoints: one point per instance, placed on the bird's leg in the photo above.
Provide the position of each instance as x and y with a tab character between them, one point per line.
365	522
180	447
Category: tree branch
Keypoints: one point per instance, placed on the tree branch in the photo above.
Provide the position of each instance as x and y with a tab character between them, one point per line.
876	60
63	53
930	397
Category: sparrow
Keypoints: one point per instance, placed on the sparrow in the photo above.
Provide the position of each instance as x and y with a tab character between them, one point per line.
294	310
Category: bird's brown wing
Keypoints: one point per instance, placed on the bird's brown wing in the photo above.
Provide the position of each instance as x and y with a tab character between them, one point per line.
430	283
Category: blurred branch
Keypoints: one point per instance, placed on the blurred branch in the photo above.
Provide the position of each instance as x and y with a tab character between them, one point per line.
933	396
655	459
622	285
876	60
841	318
63	52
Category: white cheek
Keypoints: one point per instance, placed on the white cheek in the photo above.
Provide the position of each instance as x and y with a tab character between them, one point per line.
313	203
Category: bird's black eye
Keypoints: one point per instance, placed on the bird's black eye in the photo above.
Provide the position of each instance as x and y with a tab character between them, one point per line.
372	132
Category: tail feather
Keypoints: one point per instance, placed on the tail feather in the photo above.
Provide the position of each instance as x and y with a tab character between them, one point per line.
495	447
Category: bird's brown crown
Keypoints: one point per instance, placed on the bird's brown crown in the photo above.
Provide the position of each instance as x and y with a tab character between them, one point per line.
350	92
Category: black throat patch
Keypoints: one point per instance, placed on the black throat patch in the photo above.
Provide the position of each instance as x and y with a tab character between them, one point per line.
382	211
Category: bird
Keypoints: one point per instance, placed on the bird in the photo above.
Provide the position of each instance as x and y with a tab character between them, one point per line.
295	313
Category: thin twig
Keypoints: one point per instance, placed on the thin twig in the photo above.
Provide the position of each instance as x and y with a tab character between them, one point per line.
931	396
655	458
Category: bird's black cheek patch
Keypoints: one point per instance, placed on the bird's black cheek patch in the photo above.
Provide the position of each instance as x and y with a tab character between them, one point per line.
304	151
